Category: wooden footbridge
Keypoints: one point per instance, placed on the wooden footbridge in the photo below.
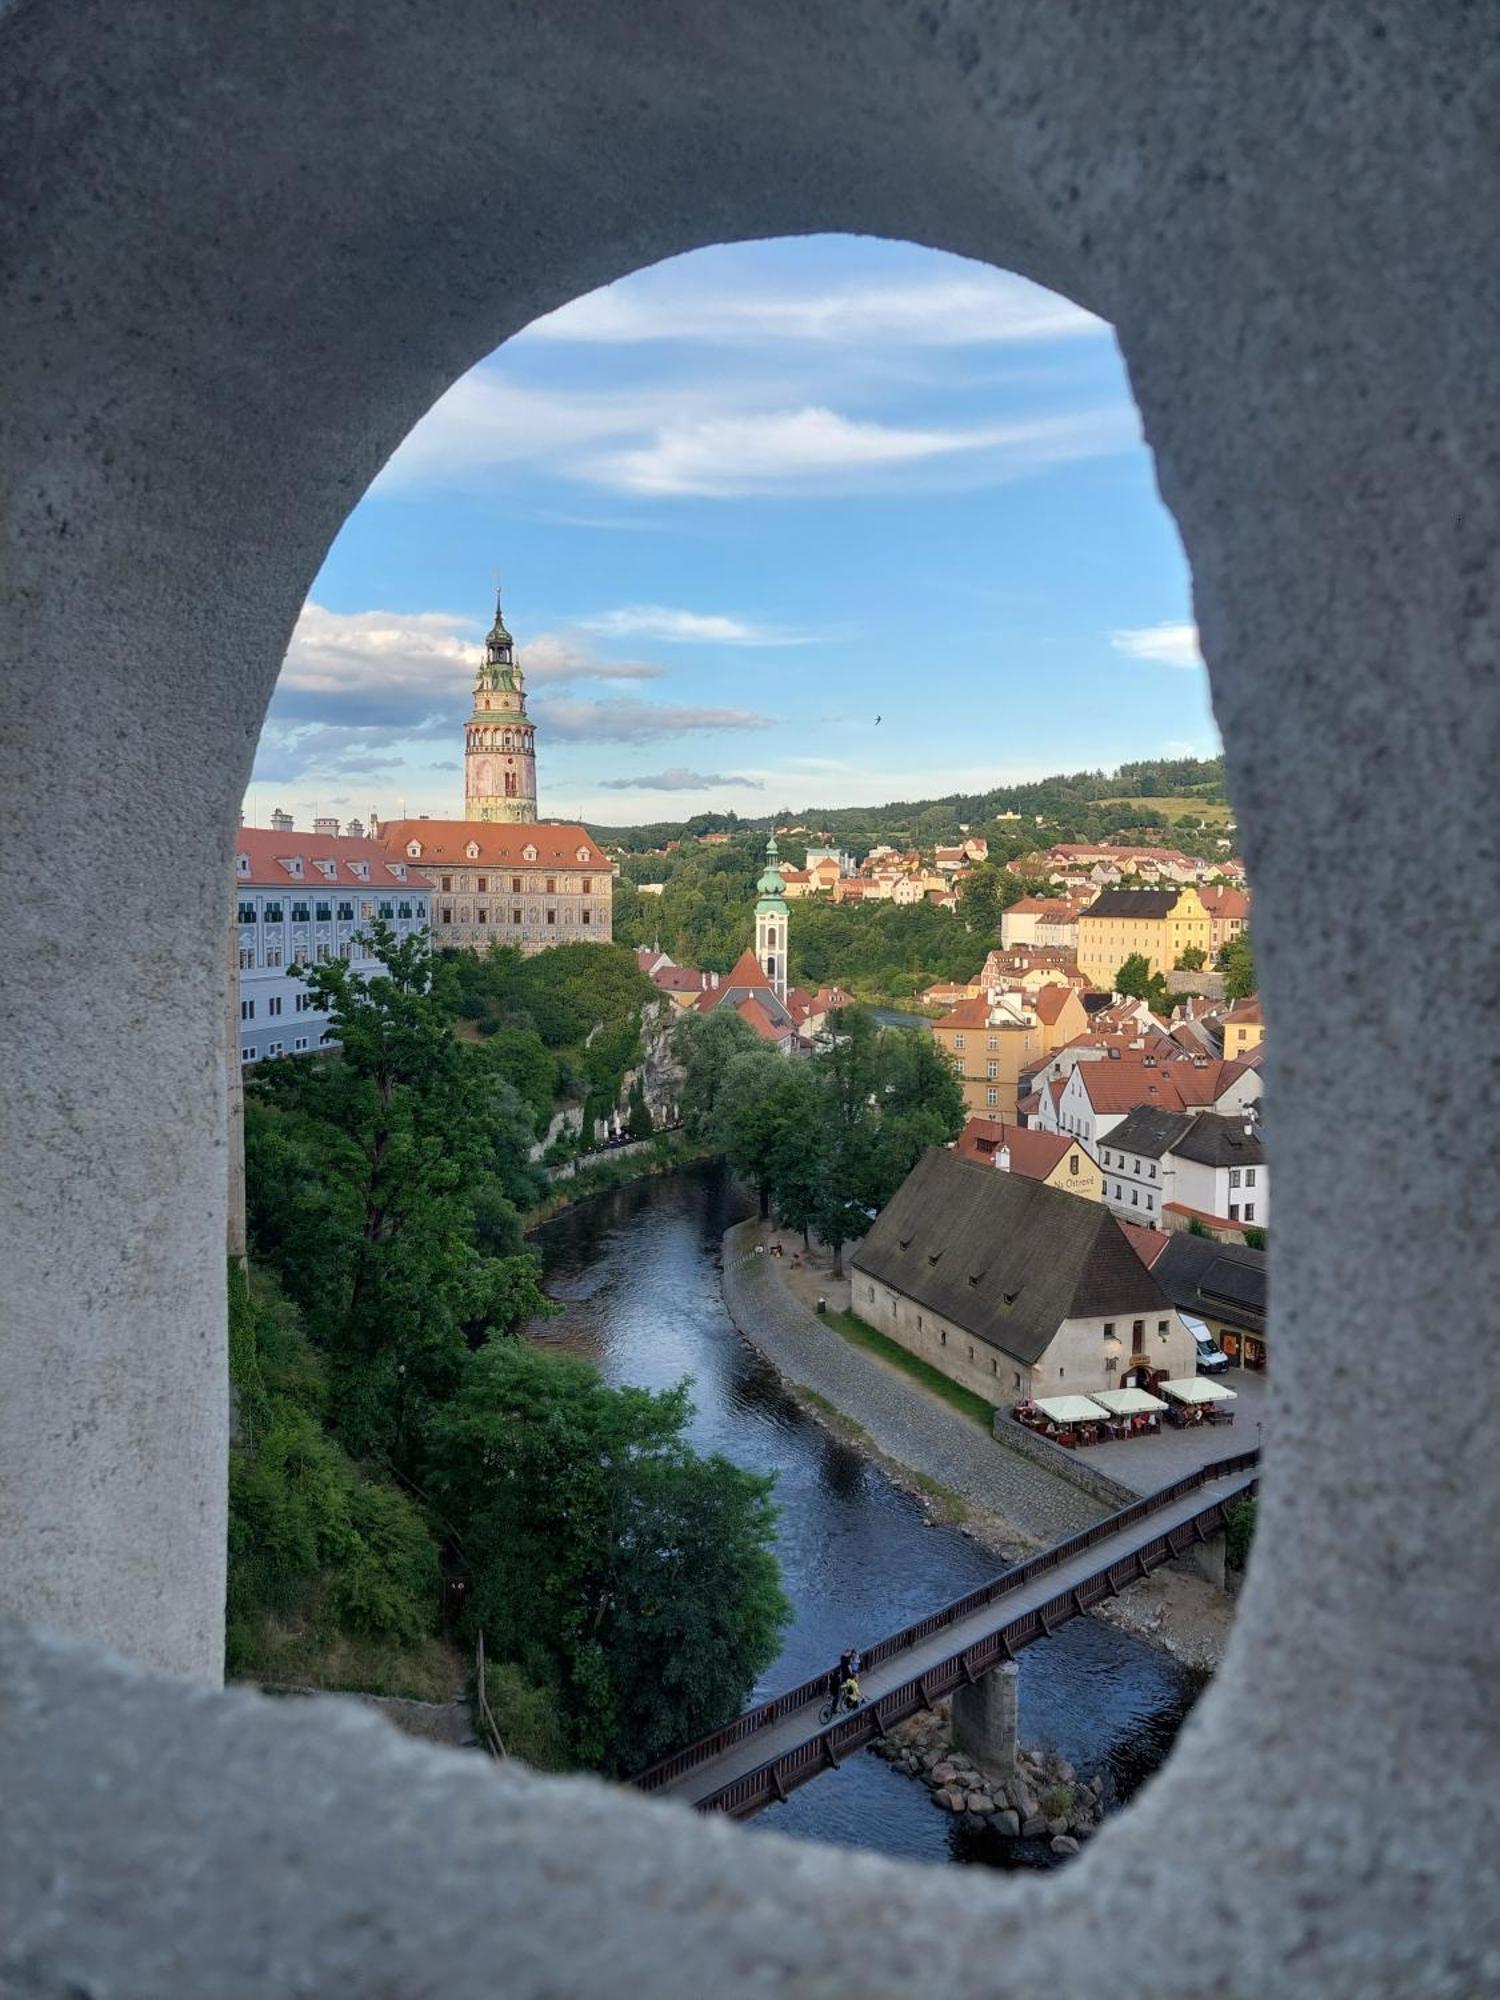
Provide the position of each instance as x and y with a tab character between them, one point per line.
768	1751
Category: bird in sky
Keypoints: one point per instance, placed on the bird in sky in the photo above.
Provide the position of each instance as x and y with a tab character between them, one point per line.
877	722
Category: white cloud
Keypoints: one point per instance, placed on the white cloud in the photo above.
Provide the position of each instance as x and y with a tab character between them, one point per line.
1168	645
660	621
817	451
680	780
979	309
629	721
364	668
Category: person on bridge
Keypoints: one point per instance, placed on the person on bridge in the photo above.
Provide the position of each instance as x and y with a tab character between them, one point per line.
850	1695
849	1664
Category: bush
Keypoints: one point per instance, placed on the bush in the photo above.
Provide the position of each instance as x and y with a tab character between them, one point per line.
1239	1532
526	1716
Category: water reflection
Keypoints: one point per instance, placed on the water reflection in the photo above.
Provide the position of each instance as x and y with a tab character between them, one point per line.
636	1273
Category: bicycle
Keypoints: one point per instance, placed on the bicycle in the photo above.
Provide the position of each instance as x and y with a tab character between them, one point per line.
835	1706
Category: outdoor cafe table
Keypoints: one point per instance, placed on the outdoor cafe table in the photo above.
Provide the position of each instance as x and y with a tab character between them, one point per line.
1197	1389
1070	1410
1128	1402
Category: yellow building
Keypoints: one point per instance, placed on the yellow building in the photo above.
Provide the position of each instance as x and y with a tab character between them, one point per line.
1158	924
990	1041
1243	1028
1049	1157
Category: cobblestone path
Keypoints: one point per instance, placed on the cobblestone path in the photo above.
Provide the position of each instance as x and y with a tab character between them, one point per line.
904	1421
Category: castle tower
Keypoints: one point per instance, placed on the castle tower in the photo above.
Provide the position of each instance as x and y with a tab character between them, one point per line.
771	923
499	741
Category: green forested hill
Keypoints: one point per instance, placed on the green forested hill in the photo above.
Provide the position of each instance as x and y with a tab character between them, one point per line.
1079	805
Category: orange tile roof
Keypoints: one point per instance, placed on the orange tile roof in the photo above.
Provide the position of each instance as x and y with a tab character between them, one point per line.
749	1009
269	852
1121	1086
1147	1244
1033	1153
1050	1002
558	843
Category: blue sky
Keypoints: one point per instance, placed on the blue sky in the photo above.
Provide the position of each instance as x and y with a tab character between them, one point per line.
742	504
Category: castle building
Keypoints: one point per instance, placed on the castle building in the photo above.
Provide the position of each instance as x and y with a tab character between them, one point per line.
771	924
499	740
301	900
532	886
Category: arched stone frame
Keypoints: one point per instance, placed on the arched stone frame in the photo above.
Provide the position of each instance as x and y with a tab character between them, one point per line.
1288	217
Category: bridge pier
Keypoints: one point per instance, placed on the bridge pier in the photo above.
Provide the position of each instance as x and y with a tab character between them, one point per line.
986	1719
1207	1559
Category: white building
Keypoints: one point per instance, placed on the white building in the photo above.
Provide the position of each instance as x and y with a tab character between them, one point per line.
1162	1168
304	899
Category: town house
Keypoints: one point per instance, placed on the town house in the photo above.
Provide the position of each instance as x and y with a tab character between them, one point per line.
1164	1168
1012	1288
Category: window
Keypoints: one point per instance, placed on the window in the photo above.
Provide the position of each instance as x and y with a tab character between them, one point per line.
588	885
971	1350
1234	1211
388	910
1249	1211
994	1366
247	958
552	916
1109	1329
991	1098
869	1291
447	917
447	885
300	913
1073	1167
585	916
273	1005
482	914
323	912
403	909
1135	1197
551	885
273	913
1153	1170
992	1069
247	1010
300	1043
919	1322
515	915
958	1041
992	1042
515	885
247	913
273	954
346	913
1234	1177
942	1336
1137	1331
1161	1327
276	1049
1249	1177
482	885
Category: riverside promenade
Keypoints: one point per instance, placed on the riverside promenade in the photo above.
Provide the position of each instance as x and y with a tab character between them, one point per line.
1016	1500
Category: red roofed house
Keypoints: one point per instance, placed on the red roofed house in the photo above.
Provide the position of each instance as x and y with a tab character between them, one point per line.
1228	914
1244	1027
531	884
1061	1014
1048	920
1098	1096
1049	1157
305	899
746	982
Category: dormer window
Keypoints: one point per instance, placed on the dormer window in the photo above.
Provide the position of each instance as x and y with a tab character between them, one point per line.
361	869
414	849
398	869
528	852
583	854
472	850
242	863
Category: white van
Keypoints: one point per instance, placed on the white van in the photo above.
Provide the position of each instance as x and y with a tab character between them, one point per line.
1212	1359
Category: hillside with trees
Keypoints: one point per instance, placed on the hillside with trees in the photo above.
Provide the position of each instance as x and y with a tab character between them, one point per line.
393	1427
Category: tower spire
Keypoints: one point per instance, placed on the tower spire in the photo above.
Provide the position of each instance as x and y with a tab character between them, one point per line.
499	738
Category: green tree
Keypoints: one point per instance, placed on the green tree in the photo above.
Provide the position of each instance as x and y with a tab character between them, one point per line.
1237	963
606	1559
406	1136
706	1045
1193	959
1137	981
639	1125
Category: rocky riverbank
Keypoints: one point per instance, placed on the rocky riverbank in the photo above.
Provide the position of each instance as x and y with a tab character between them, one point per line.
1043	1800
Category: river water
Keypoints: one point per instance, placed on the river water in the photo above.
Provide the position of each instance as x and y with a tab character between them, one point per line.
636	1273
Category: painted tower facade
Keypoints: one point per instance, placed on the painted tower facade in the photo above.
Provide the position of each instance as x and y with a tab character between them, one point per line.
771	923
499	741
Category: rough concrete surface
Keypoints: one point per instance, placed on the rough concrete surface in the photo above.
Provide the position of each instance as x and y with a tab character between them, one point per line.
242	251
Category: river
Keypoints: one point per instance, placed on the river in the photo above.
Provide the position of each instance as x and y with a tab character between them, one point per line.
636	1273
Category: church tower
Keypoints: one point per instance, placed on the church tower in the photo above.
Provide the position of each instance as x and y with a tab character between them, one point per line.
771	923
499	741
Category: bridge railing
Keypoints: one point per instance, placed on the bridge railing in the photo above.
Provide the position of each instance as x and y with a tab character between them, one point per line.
751	1720
774	1780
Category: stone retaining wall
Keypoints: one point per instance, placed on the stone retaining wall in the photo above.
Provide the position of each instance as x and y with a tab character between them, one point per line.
1063	1464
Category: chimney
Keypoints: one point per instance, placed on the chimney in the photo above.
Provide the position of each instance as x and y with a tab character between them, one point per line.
326	827
356	831
281	822
1002	1157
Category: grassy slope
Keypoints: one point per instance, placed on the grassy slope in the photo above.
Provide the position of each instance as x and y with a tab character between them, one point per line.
965	1401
